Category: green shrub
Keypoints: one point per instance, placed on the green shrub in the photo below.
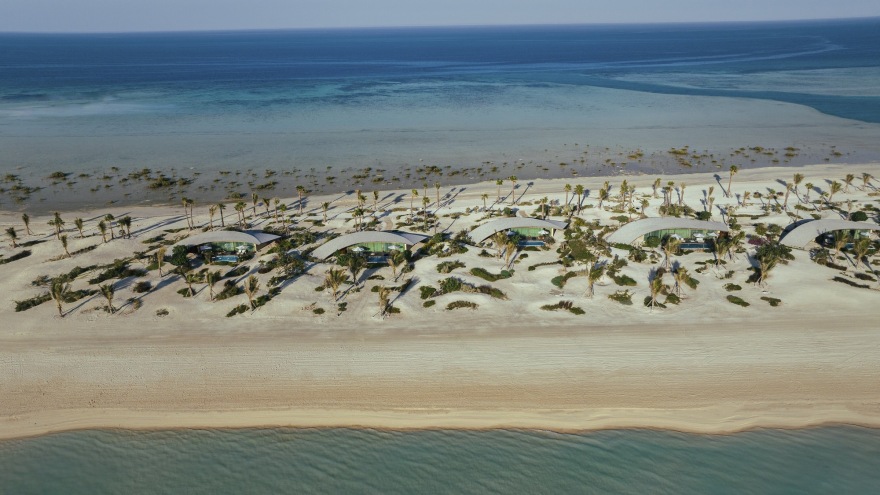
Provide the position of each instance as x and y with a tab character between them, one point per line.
851	283
118	269
622	296
448	266
732	287
17	256
461	304
672	299
772	301
318	311
859	216
27	304
162	312
652	242
426	291
560	280
657	304
623	280
491	277
241	308
737	301
142	287
429	303
566	305
230	289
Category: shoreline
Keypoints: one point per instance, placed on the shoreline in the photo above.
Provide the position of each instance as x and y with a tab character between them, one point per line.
402	421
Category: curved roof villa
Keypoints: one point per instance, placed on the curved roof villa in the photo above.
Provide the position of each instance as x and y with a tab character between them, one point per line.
256	237
804	232
374	241
524	225
687	228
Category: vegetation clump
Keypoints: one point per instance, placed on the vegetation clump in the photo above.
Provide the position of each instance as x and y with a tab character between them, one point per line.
738	301
461	304
564	305
622	296
772	301
491	277
448	266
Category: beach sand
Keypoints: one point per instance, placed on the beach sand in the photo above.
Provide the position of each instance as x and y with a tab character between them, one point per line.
703	366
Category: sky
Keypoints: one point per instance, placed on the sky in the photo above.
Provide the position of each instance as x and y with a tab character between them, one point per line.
184	15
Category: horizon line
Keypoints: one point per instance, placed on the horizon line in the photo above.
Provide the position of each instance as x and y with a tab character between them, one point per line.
458	26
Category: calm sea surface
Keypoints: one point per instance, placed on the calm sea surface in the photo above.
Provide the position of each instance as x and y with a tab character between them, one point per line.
822	460
525	100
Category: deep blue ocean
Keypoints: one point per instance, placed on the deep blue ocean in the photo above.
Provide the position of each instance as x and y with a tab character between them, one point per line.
460	98
820	460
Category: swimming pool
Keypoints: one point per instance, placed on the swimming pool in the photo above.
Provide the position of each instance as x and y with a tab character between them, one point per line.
226	258
531	243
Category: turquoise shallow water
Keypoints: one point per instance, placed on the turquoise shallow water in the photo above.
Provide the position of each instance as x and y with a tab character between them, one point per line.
820	460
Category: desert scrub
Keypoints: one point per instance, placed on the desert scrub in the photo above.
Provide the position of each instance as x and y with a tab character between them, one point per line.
448	266
491	277
429	303
732	287
622	296
738	301
564	305
772	301
461	304
560	280
142	287
27	304
623	280
426	291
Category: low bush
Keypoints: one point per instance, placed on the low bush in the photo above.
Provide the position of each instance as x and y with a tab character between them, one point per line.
732	287
426	291
865	276
162	312
241	308
461	304
27	304
142	287
230	289
623	281
448	266
318	311
851	283
565	305
491	277
429	303
560	280
738	301
622	296
772	301
236	272
17	256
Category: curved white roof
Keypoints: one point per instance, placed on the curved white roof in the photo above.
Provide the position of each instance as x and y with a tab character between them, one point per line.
633	230
257	237
805	232
486	230
327	249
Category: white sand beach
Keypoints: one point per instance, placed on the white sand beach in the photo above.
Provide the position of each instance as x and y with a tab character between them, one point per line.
703	365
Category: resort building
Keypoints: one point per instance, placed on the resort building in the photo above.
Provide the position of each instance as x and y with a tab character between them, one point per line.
801	234
694	234
532	230
228	246
375	245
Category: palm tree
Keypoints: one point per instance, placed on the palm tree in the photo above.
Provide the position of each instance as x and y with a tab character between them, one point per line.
866	180
358	215
670	249
512	180
788	188
484	197
544	207
107	291
63	239
27	223
796	180
681	193
211	278
190	278
425	203
396	259
768	256
79	226
57	223
102	228
301	191
13	236
160	258
413	195
499	240
579	190
594	273
509	251
681	277
384	299
499	183
375	201
860	249
841	239
220	208
185	202
733	170
834	188
109	218
848	181
334	278
567	190
283	209
255	199
125	225
437	188
266	204
239	208
324	207
603	196
60	292
655	186
250	288
809	187
656	286
355	264
212	210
